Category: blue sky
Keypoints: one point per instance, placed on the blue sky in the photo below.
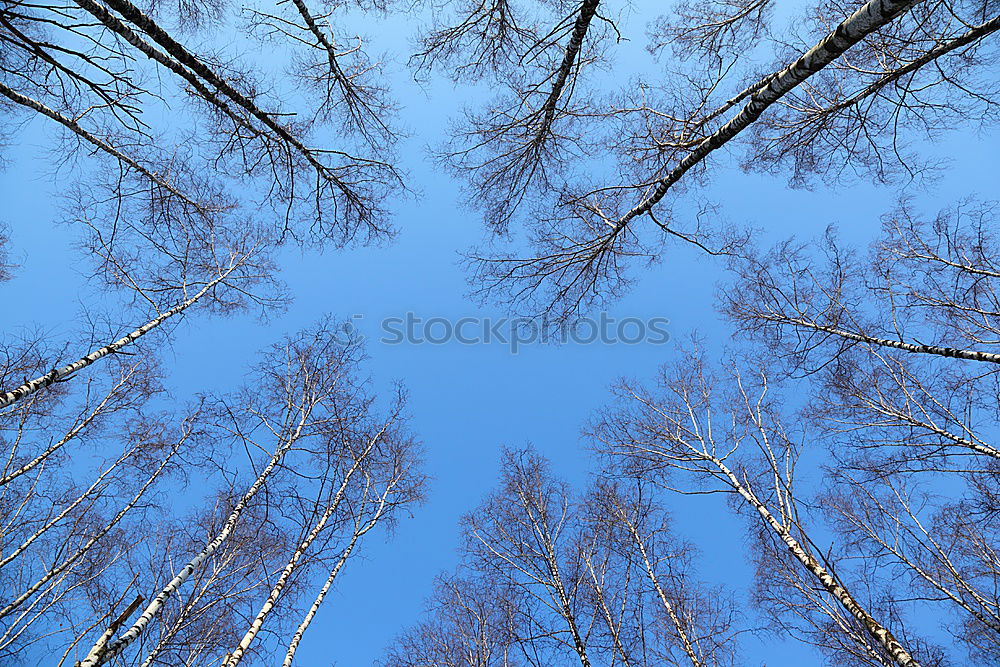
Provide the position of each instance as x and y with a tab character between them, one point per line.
466	400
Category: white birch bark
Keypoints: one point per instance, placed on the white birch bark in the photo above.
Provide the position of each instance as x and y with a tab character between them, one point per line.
829	582
950	352
64	566
359	532
614	629
65	372
556	581
548	110
258	622
311	613
866	20
98	655
686	644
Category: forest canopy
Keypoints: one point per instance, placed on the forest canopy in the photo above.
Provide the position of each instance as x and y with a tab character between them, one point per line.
169	498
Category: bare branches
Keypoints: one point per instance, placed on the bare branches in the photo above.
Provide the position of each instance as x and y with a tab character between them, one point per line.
83	66
526	136
679	437
547	579
844	106
320	437
712	29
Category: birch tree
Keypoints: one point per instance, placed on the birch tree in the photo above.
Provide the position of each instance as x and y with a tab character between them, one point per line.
181	173
314	429
469	624
293	476
642	581
900	365
5	266
841	92
551	578
904	356
87	68
63	533
940	546
701	435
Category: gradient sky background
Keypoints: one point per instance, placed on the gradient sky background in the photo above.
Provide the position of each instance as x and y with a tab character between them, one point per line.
466	401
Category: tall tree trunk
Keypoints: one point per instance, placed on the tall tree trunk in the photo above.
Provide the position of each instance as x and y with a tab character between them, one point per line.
828	581
98	655
852	30
258	622
65	372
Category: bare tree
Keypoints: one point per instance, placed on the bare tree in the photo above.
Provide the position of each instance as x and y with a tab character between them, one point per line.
695	437
897	348
936	279
471	624
517	145
942	548
84	555
840	100
904	356
62	532
325	439
88	67
637	570
546	579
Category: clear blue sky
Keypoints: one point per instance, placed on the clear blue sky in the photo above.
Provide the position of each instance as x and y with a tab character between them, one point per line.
466	401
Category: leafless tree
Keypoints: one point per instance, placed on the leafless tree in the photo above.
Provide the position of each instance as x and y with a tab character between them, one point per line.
897	347
163	143
639	570
330	469
92	69
518	144
935	279
547	579
470	625
67	516
846	92
323	467
5	266
709	434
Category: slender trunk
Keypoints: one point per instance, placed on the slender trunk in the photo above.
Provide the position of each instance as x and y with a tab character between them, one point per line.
272	598
866	20
829	582
101	144
548	110
950	352
675	620
68	562
99	655
65	372
345	554
552	563
613	629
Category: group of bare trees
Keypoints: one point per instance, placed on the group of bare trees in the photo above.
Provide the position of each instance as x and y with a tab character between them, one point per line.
580	162
292	472
139	529
550	578
874	372
147	529
871	374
